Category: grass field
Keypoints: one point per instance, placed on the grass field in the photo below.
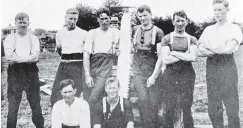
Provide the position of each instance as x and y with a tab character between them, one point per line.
48	66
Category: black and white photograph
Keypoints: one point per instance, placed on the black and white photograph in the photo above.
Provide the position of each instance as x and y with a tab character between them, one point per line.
121	63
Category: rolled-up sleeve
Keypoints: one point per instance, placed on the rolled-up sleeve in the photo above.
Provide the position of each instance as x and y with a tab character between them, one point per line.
35	44
89	41
9	45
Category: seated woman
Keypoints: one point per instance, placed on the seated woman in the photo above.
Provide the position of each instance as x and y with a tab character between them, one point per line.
113	111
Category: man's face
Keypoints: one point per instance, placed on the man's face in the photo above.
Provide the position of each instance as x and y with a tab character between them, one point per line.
22	24
112	90
104	21
144	17
71	20
220	11
68	93
180	23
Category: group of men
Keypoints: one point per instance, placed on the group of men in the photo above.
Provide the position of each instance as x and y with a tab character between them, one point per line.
86	64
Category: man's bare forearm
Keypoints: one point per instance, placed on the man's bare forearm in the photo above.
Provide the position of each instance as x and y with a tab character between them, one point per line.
184	56
170	60
86	63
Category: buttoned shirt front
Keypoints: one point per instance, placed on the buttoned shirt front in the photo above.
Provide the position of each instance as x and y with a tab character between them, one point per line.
75	114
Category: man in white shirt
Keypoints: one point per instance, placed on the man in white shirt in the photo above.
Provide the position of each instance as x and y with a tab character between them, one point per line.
217	43
70	46
22	50
71	111
99	53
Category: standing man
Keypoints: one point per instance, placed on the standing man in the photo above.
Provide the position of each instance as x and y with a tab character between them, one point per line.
217	43
147	38
70	46
113	111
22	50
98	57
71	111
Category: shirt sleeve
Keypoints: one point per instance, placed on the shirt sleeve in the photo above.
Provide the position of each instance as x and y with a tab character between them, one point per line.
56	117
204	36
9	45
35	44
159	35
98	111
165	40
128	111
85	117
89	41
58	40
237	34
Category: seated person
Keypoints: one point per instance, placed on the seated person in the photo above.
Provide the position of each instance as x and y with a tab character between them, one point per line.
113	111
70	112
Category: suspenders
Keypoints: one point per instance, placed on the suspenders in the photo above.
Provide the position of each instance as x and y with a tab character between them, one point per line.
153	36
104	105
113	44
29	40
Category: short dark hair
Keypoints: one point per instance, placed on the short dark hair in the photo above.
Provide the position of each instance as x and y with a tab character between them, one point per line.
102	10
180	13
66	82
112	80
143	8
21	16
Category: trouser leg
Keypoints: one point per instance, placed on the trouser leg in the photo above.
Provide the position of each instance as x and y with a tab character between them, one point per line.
33	96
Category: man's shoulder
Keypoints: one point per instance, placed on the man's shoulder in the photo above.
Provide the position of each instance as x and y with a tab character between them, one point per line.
135	28
78	29
10	36
234	26
81	101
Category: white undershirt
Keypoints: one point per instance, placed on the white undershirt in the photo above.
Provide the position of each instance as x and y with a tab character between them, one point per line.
102	40
71	41
75	114
22	47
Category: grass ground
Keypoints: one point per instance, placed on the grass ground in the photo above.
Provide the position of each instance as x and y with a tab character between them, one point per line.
48	66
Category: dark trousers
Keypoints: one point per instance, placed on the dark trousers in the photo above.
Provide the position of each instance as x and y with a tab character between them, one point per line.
178	84
23	77
68	70
101	67
222	79
149	98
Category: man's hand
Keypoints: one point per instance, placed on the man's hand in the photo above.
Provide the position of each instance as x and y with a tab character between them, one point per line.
89	81
150	81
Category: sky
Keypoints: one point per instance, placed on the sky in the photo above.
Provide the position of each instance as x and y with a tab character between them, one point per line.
49	14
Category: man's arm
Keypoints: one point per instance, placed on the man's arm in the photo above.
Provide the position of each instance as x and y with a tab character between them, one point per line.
228	48
166	57
56	117
58	44
128	114
203	51
158	65
86	63
188	56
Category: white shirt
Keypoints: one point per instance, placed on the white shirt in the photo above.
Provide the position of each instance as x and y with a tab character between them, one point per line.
23	45
76	114
217	36
71	41
102	40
